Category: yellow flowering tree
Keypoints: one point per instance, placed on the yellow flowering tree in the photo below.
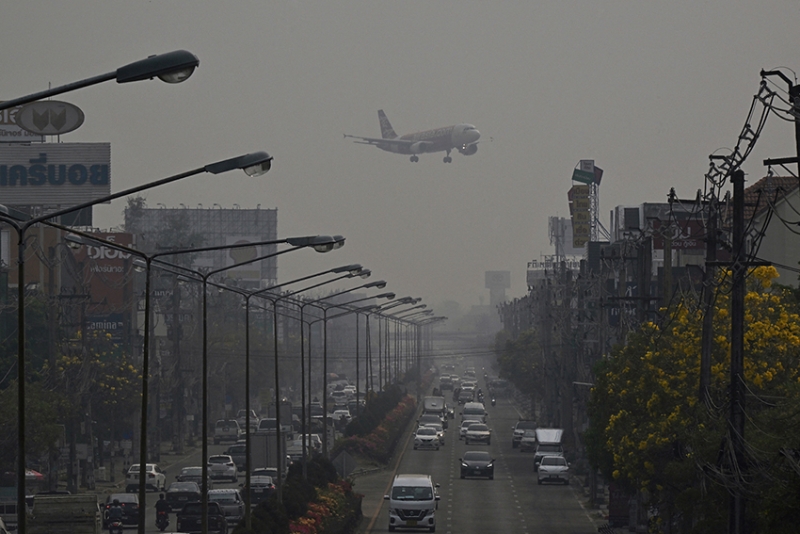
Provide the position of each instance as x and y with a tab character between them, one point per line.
649	432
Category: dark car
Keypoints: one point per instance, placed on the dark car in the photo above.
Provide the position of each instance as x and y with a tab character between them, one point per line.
179	493
477	464
193	474
130	508
239	454
261	488
190	518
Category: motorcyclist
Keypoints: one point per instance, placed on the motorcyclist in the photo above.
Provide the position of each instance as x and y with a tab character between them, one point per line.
115	513
162	505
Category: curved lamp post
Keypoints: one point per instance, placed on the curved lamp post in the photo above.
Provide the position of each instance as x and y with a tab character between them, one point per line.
320	243
253	164
379	284
352	270
172	67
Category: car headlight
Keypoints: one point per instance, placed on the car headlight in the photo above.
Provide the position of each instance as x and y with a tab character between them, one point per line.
489	465
464	465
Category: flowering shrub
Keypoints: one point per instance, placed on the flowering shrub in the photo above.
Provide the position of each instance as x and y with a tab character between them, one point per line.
333	511
379	444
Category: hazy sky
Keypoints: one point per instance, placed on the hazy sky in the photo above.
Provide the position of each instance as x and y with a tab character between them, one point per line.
648	89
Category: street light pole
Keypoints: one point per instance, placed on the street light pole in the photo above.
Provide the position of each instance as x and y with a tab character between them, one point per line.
172	67
253	164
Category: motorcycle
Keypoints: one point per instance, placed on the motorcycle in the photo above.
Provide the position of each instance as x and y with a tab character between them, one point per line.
162	521
115	526
494	401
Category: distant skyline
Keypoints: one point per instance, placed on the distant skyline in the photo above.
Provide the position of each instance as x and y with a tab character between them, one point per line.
646	89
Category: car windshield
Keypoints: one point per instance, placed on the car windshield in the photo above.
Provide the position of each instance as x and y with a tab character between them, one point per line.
182	486
192	472
530	434
122	497
219	460
549	448
426	431
410	493
554	460
476	456
222	497
480	428
524	425
468	423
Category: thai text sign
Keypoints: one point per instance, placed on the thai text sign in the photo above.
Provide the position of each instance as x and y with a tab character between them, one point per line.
54	174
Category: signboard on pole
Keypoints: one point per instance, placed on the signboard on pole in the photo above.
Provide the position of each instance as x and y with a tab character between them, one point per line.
10	132
580	211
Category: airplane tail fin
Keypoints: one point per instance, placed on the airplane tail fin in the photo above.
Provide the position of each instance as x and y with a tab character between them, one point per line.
387	132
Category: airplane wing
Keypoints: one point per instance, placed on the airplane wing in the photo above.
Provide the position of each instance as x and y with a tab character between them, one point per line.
378	141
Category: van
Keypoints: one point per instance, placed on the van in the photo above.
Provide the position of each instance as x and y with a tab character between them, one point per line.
227	430
474	410
413	501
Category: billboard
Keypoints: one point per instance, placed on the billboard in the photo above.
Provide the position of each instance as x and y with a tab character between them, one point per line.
54	174
580	212
11	133
250	272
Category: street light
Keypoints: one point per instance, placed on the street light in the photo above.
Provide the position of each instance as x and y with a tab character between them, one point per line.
320	243
172	67
248	161
352	270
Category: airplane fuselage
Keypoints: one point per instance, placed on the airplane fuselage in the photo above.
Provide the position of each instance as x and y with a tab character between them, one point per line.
460	137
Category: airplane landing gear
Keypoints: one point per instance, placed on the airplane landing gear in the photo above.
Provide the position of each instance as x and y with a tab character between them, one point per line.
414	159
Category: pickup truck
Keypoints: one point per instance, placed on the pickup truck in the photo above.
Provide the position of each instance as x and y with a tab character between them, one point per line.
65	514
190	518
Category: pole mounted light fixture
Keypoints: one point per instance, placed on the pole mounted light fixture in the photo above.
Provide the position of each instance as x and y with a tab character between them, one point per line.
172	67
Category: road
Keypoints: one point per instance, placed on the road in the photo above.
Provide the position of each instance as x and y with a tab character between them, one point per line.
512	502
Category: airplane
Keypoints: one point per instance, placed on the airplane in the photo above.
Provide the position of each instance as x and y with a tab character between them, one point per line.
461	137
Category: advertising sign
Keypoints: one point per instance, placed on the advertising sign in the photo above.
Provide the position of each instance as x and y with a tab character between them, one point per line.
54	174
50	117
10	132
580	211
250	272
105	273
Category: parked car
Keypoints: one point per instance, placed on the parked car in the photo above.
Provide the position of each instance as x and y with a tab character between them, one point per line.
155	478
478	432
193	474
477	464
231	503
519	429
553	468
426	438
190	518
227	430
180	493
130	508
221	466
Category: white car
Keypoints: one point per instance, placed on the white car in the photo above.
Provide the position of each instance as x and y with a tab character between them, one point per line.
553	468
222	466
426	438
478	432
337	416
465	424
439	431
156	479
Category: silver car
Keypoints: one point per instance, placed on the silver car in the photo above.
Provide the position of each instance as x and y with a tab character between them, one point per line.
222	466
553	468
231	503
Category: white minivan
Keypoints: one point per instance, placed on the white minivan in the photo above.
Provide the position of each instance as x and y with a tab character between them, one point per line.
413	502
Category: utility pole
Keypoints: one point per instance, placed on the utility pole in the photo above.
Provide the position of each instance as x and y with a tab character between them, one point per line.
708	300
736	521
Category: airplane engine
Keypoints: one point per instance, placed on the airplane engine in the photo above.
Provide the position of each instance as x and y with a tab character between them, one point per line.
418	147
469	149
